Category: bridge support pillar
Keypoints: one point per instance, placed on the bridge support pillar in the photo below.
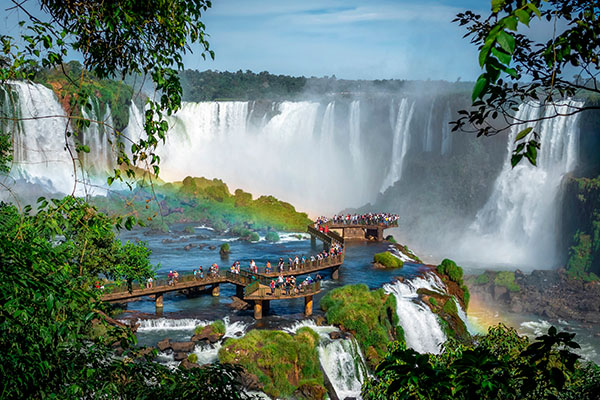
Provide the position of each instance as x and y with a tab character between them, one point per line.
215	290
266	306
379	234
158	302
335	273
308	305
258	309
313	241
239	291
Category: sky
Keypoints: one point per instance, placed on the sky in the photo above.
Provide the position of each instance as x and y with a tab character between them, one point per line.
351	39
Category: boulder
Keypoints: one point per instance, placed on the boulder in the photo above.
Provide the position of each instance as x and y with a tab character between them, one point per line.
499	292
180	356
164	344
207	335
183	347
211	247
250	381
188	365
311	391
335	335
320	320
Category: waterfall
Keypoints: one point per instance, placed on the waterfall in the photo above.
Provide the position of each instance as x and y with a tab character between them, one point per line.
428	143
400	143
39	144
422	330
354	130
344	365
341	359
518	224
446	131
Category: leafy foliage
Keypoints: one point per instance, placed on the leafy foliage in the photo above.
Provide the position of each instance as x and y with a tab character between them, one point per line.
507	279
517	68
499	365
50	342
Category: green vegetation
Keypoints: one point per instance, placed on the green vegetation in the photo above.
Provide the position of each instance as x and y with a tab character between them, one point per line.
272	236
281	362
433	301
580	259
482	279
455	274
391	239
217	327
369	315
193	358
224	248
522	67
499	365
209	202
450	307
388	260
507	279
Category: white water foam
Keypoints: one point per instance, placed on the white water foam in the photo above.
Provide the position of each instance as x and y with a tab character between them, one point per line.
422	330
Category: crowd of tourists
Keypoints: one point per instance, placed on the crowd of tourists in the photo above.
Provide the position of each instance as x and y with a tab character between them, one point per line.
289	284
357	219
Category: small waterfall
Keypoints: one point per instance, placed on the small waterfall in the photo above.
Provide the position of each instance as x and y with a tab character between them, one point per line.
518	223
354	131
446	131
400	143
341	359
163	324
97	136
208	353
428	142
422	330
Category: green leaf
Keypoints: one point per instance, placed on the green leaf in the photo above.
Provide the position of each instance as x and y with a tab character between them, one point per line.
502	56
510	23
479	86
497	5
523	16
533	8
532	153
506	41
514	160
523	133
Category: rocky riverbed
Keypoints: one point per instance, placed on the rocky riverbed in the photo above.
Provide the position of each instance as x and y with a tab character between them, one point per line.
549	294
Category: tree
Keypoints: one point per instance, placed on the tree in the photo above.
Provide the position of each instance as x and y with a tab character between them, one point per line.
54	338
519	69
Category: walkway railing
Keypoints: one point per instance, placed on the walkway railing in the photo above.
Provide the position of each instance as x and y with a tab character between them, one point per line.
265	293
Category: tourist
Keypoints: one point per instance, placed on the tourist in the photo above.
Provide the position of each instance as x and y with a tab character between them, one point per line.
272	285
280	281
253	266
195	272
268	268
170	278
201	273
280	264
149	283
176	276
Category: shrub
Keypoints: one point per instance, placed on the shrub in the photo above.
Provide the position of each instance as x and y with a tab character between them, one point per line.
217	326
433	301
482	279
507	279
193	358
449	267
388	260
391	239
225	248
272	236
254	237
189	229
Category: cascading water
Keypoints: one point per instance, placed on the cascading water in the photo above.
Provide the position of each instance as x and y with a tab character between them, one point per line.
446	133
422	330
341	359
428	143
518	224
400	143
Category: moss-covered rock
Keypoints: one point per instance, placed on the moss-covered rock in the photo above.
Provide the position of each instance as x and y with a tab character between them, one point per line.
387	260
272	236
282	363
370	315
224	250
507	280
452	275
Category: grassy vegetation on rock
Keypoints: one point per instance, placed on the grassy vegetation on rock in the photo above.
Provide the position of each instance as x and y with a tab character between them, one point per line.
208	202
369	314
507	279
388	260
217	327
281	362
452	275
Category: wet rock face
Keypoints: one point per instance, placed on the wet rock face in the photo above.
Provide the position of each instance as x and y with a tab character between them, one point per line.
308	391
550	294
164	344
208	335
183	347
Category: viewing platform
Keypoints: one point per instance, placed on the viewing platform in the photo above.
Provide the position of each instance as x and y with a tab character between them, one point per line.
341	231
251	287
